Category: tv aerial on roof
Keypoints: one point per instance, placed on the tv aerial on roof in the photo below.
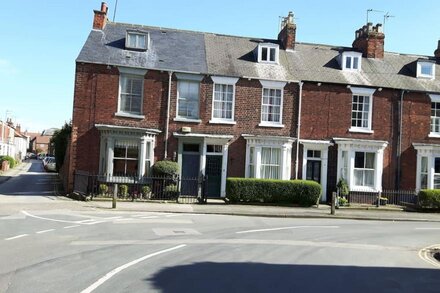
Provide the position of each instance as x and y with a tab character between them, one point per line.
372	10
114	12
385	18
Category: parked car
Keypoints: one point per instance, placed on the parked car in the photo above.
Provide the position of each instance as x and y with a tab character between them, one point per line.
50	165
46	159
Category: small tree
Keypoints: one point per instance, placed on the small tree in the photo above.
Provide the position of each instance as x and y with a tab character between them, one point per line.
146	191
123	190
343	188
59	141
103	189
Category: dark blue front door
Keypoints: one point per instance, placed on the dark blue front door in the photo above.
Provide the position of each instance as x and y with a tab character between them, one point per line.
190	169
213	175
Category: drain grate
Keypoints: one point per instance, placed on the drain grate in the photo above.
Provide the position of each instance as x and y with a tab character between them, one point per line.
436	255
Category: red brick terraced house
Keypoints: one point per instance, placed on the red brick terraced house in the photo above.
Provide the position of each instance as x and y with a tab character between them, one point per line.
229	106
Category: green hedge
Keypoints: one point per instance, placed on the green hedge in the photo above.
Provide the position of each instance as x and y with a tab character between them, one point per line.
165	168
429	198
10	159
302	192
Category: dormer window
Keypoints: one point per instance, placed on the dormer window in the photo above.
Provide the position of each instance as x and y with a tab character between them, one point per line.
268	53
350	61
425	69
137	40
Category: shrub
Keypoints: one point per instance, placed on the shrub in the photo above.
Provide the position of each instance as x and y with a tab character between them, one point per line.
302	192
123	190
146	190
429	198
10	159
103	189
343	187
342	201
165	168
171	191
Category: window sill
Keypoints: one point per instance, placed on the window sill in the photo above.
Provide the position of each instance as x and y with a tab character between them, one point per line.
263	124
222	122
363	189
128	115
361	130
180	119
434	135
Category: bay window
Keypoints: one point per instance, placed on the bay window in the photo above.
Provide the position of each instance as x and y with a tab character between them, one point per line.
270	163
126	151
360	163
268	157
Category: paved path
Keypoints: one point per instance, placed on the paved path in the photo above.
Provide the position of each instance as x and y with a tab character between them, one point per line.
323	211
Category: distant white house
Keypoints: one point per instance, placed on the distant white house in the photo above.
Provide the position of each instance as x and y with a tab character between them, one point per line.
13	142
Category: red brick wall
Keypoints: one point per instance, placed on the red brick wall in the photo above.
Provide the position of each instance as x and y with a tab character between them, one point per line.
416	128
326	114
96	98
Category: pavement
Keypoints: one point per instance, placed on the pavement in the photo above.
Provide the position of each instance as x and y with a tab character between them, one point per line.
6	175
219	207
385	213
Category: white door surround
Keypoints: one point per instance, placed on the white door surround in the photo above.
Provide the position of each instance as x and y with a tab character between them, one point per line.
322	146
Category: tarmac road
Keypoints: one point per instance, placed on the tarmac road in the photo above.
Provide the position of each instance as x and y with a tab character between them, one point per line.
53	245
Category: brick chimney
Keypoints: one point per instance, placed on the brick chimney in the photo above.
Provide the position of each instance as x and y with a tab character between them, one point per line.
287	34
100	19
370	41
18	128
437	52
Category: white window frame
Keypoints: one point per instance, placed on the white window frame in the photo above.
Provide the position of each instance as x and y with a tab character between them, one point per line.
268	47
272	85
364	169
257	143
110	134
351	146
423	172
192	78
420	65
431	152
222	80
352	56
432	133
366	92
124	158
137	34
132	73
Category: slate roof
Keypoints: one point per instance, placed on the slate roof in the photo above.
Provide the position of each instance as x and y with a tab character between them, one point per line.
310	62
213	54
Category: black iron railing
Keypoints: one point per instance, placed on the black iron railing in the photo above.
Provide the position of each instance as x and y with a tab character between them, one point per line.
393	197
133	187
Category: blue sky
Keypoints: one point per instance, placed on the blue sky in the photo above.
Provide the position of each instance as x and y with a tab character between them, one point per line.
40	40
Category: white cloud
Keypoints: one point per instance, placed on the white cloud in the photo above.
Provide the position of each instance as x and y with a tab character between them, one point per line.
7	68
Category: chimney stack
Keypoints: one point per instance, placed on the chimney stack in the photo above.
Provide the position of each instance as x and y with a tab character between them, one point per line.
100	18
370	41
437	52
287	33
